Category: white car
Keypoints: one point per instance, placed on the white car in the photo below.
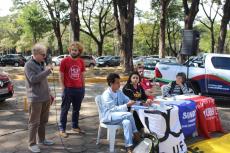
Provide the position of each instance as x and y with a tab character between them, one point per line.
57	60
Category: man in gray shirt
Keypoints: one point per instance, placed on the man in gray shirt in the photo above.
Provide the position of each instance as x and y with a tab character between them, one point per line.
38	95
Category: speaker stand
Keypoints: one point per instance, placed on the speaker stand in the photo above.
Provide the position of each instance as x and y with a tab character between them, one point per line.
187	75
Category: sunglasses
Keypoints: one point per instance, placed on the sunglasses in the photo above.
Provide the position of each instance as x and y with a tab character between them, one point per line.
44	55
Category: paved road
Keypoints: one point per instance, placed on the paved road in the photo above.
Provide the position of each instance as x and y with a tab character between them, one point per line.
13	127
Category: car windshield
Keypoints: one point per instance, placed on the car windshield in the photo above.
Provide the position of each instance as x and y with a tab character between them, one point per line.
151	61
107	58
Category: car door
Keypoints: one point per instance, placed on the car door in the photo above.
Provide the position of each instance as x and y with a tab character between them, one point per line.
113	61
8	59
117	61
15	59
218	75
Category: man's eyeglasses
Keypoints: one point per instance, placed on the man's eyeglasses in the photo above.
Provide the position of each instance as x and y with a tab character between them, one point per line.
44	55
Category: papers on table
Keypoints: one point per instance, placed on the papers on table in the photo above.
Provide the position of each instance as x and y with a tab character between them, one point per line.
175	98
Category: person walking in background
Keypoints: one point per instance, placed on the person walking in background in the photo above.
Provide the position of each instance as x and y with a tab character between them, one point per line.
38	95
72	81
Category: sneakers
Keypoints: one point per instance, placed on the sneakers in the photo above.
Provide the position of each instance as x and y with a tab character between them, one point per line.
47	142
78	131
63	134
34	148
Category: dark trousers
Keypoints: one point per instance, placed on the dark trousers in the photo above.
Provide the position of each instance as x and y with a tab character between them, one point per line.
137	120
74	96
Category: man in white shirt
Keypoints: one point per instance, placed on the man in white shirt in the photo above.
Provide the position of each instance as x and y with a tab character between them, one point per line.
115	110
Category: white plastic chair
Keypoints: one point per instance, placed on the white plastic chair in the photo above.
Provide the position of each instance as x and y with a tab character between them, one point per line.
111	129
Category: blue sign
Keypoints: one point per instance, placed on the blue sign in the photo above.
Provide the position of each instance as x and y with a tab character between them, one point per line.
187	115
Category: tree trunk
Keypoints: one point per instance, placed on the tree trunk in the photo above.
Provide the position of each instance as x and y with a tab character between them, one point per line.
55	20
34	38
118	30
190	13
60	47
223	28
162	28
127	27
57	33
100	47
74	20
212	39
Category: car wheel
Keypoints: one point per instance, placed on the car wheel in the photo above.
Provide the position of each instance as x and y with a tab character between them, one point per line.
16	64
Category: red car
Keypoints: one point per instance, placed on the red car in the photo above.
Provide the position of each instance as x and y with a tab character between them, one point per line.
6	87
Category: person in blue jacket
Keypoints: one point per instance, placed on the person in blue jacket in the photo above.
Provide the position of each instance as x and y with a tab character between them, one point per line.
115	110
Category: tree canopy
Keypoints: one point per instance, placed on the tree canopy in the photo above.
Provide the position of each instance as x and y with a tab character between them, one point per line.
106	27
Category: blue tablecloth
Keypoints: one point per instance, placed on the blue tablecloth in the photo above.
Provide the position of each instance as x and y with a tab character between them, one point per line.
187	115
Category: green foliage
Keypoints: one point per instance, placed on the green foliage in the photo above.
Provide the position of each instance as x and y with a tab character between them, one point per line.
33	21
30	23
9	32
205	40
24	43
175	11
143	33
6	43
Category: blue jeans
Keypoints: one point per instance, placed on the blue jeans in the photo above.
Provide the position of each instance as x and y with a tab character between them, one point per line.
74	96
128	123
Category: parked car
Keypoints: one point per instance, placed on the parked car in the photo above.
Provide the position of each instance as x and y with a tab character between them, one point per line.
154	56
6	87
57	60
89	60
13	59
99	58
150	63
109	61
149	67
138	60
28	57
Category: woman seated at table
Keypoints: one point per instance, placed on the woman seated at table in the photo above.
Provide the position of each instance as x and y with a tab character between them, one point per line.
115	110
135	92
178	87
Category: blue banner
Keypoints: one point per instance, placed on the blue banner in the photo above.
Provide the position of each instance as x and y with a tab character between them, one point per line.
187	115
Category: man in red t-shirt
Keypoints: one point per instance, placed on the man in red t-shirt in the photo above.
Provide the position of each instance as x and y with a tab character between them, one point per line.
72	70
